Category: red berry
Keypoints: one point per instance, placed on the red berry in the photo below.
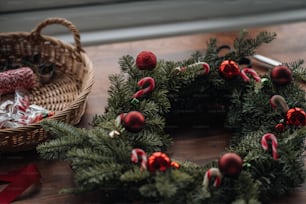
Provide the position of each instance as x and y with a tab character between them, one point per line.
280	127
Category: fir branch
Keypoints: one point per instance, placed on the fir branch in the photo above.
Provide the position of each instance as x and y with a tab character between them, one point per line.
118	148
165	187
211	51
56	149
86	156
99	175
247	188
60	129
120	93
156	123
298	71
148	108
134	175
148	191
147	140
246	46
67	137
126	63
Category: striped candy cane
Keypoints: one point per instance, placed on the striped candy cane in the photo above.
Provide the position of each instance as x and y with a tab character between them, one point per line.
151	85
136	153
279	100
205	66
251	71
212	172
119	119
264	144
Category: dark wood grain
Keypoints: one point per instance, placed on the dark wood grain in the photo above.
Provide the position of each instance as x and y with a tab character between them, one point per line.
194	145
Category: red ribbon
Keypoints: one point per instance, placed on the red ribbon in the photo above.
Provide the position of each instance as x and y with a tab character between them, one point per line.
19	181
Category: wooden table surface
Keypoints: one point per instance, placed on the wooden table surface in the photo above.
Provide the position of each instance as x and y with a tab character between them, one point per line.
196	146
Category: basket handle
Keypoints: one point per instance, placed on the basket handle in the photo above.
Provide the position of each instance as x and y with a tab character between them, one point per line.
62	21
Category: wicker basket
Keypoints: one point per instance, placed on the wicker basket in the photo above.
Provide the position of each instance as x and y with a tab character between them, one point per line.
66	94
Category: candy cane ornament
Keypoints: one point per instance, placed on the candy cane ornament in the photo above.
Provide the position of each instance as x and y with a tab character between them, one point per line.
251	71
212	172
205	66
265	146
136	153
119	119
278	100
145	81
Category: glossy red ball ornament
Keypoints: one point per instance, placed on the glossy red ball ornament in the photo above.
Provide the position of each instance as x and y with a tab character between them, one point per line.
230	164
296	116
133	121
158	161
281	75
229	69
146	60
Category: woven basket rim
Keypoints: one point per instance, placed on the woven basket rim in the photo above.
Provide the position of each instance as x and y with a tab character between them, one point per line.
79	99
29	35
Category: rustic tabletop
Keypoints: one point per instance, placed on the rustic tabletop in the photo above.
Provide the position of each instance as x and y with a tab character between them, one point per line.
192	145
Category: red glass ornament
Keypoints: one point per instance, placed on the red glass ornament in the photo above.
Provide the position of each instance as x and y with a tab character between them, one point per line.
133	121
280	127
296	116
229	69
158	161
281	75
146	60
230	164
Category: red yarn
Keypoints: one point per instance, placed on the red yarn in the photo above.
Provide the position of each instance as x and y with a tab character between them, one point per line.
16	78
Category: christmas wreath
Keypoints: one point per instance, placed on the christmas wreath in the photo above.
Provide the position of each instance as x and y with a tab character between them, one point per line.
124	156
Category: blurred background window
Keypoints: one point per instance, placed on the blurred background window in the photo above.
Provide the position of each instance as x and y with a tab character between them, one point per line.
104	21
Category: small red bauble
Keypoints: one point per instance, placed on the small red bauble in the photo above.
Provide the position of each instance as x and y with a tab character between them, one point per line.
280	127
146	60
229	69
175	165
296	116
158	161
133	121
230	164
281	75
